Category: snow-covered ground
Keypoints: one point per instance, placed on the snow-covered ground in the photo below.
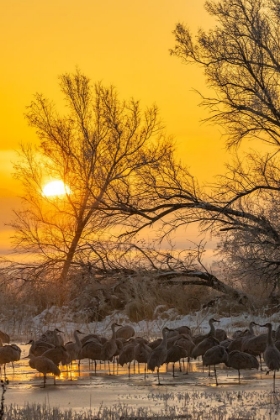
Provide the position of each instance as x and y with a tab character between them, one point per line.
198	322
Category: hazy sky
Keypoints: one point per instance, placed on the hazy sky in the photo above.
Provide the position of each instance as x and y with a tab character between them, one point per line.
125	43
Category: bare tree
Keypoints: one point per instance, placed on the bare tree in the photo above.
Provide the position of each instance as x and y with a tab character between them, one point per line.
240	57
241	60
97	147
123	174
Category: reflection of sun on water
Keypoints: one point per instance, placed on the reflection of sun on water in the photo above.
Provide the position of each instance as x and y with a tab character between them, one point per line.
55	188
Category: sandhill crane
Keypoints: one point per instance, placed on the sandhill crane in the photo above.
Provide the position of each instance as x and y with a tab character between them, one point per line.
141	353
155	343
57	354
255	345
241	338
225	343
220	334
43	365
158	355
239	333
125	332
127	354
72	348
174	354
110	347
9	353
184	329
15	353
198	338
93	337
239	360
52	337
271	354
214	356
209	341
91	350
39	347
185	341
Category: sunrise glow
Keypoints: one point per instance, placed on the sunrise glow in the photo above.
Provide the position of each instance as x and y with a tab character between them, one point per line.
55	188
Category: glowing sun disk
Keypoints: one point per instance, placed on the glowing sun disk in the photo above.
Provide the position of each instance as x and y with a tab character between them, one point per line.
55	188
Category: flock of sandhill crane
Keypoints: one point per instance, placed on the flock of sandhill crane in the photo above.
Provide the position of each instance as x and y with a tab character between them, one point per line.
241	351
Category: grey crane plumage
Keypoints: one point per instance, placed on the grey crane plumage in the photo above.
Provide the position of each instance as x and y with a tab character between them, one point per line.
240	360
127	354
73	348
214	356
240	337
43	365
93	337
91	350
110	347
158	355
174	354
209	341
184	329
52	337
255	345
271	354
200	337
38	347
57	354
185	341
125	332
9	353
141	353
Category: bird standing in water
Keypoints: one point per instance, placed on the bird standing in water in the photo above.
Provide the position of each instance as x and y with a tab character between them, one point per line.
158	355
271	354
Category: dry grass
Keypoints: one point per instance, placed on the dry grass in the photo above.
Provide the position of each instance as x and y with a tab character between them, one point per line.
137	297
188	406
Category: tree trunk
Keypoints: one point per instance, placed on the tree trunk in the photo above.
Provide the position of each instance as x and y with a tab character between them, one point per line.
200	278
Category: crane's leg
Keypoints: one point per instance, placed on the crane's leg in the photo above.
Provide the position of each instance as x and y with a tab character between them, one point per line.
158	376
180	367
215	372
188	365
274	380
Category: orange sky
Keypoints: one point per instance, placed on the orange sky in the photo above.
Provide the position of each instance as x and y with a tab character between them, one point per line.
125	43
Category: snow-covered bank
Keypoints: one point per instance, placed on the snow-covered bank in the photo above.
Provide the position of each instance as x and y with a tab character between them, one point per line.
61	318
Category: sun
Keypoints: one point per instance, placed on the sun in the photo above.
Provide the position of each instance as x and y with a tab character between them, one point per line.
55	188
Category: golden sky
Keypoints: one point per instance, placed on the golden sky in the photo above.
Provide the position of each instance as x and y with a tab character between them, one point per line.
124	43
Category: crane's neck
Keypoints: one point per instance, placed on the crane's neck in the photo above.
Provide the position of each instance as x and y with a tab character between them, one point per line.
164	338
76	336
269	334
251	330
212	331
113	326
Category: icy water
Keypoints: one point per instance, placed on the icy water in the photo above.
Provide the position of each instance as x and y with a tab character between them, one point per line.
191	392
